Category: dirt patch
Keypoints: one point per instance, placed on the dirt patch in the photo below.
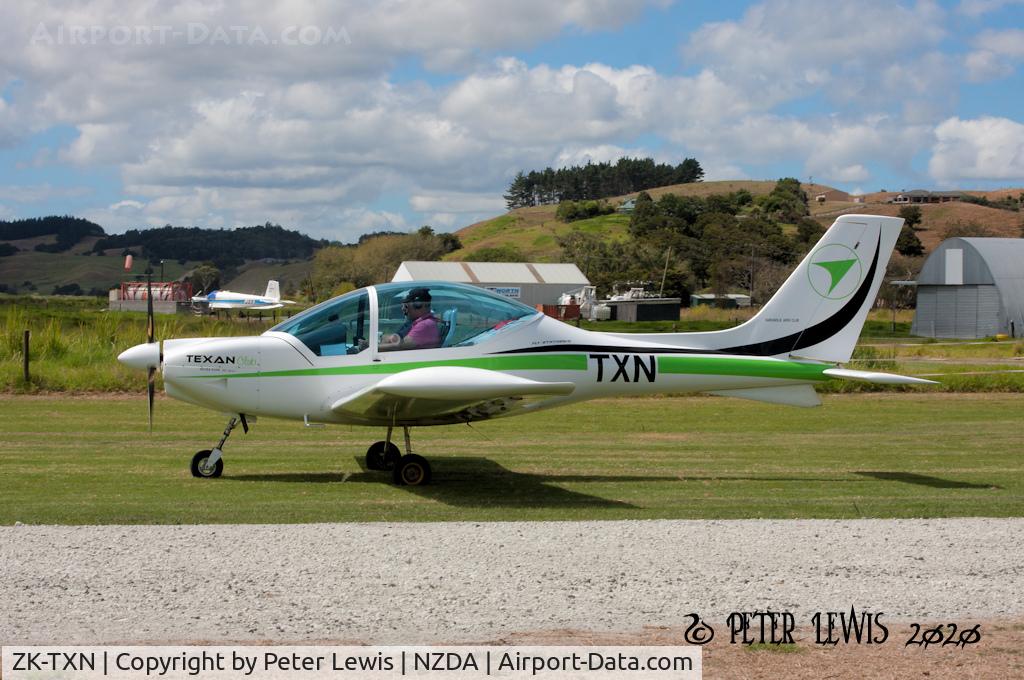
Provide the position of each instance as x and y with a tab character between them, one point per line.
999	654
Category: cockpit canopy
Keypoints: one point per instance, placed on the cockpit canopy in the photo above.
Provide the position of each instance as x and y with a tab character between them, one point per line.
459	316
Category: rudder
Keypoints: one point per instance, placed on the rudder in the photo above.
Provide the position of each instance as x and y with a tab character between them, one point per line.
273	290
819	311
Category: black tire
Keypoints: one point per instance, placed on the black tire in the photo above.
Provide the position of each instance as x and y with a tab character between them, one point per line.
199	469
412	470
382	456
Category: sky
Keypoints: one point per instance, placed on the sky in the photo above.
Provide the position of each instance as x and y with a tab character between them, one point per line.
339	118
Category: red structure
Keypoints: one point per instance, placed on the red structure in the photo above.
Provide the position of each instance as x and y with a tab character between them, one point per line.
560	312
177	291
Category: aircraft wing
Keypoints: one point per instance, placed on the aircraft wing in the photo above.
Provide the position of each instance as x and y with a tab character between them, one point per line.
445	394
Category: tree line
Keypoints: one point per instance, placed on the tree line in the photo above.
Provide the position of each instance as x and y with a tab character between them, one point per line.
337	269
69	231
597	180
722	242
224	247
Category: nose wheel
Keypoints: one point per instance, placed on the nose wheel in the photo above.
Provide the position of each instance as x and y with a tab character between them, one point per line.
201	466
209	463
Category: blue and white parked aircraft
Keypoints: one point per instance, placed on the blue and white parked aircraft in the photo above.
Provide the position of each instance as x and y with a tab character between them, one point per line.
399	355
225	299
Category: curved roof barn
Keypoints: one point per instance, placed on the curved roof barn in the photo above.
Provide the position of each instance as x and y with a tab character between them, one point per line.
972	288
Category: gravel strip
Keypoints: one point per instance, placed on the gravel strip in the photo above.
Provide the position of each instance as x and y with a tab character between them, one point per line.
419	583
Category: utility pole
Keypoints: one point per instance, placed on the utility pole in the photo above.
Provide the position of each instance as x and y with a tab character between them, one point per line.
664	274
751	290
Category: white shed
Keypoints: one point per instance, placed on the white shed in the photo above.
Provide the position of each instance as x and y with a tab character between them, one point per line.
532	283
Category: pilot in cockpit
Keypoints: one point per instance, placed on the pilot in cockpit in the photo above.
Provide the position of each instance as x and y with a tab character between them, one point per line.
421	329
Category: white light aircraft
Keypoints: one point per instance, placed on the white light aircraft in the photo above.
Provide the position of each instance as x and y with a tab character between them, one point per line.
225	299
469	354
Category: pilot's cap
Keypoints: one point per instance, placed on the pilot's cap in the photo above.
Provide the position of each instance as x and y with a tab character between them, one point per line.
417	295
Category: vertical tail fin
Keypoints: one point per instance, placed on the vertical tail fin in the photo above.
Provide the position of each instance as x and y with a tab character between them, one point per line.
819	311
273	291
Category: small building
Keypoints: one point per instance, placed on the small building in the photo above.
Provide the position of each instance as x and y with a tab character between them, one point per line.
727	300
971	288
644	309
169	297
627	206
532	283
832	195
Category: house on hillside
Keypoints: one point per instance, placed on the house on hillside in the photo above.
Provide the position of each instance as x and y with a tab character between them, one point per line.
627	206
832	195
923	196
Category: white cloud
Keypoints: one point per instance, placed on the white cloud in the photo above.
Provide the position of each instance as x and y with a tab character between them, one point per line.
985	148
1008	43
785	49
311	136
599	153
977	8
984	65
37	193
353	222
233	130
457	202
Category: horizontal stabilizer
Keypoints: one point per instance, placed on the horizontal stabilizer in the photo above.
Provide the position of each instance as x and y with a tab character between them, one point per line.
790	395
878	378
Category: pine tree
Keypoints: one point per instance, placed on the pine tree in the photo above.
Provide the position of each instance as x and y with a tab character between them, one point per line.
519	193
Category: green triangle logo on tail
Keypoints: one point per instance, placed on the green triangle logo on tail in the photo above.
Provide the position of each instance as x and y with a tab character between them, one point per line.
834	271
837	270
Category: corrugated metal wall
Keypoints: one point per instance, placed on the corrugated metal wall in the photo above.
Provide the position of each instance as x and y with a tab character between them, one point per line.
957	311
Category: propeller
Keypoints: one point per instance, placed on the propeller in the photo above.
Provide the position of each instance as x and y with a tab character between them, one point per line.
148	355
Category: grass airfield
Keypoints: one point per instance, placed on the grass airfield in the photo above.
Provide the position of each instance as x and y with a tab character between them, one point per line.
91	460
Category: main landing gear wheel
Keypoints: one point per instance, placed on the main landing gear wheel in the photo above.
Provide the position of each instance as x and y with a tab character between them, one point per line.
382	456
201	467
412	470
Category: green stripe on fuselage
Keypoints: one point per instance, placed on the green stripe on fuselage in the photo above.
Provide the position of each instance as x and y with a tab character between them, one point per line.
741	366
528	362
667	364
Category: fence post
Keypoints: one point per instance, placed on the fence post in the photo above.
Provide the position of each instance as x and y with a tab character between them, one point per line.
24	354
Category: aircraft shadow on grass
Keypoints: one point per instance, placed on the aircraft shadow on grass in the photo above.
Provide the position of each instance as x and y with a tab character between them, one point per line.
474	481
922	480
482	482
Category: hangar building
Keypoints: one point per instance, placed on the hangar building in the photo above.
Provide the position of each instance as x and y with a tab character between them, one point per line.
971	288
530	283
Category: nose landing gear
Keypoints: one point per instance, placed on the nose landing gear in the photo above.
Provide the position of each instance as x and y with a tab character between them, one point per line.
209	463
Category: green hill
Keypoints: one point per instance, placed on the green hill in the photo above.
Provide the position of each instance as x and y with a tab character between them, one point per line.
534	230
253	276
48	270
